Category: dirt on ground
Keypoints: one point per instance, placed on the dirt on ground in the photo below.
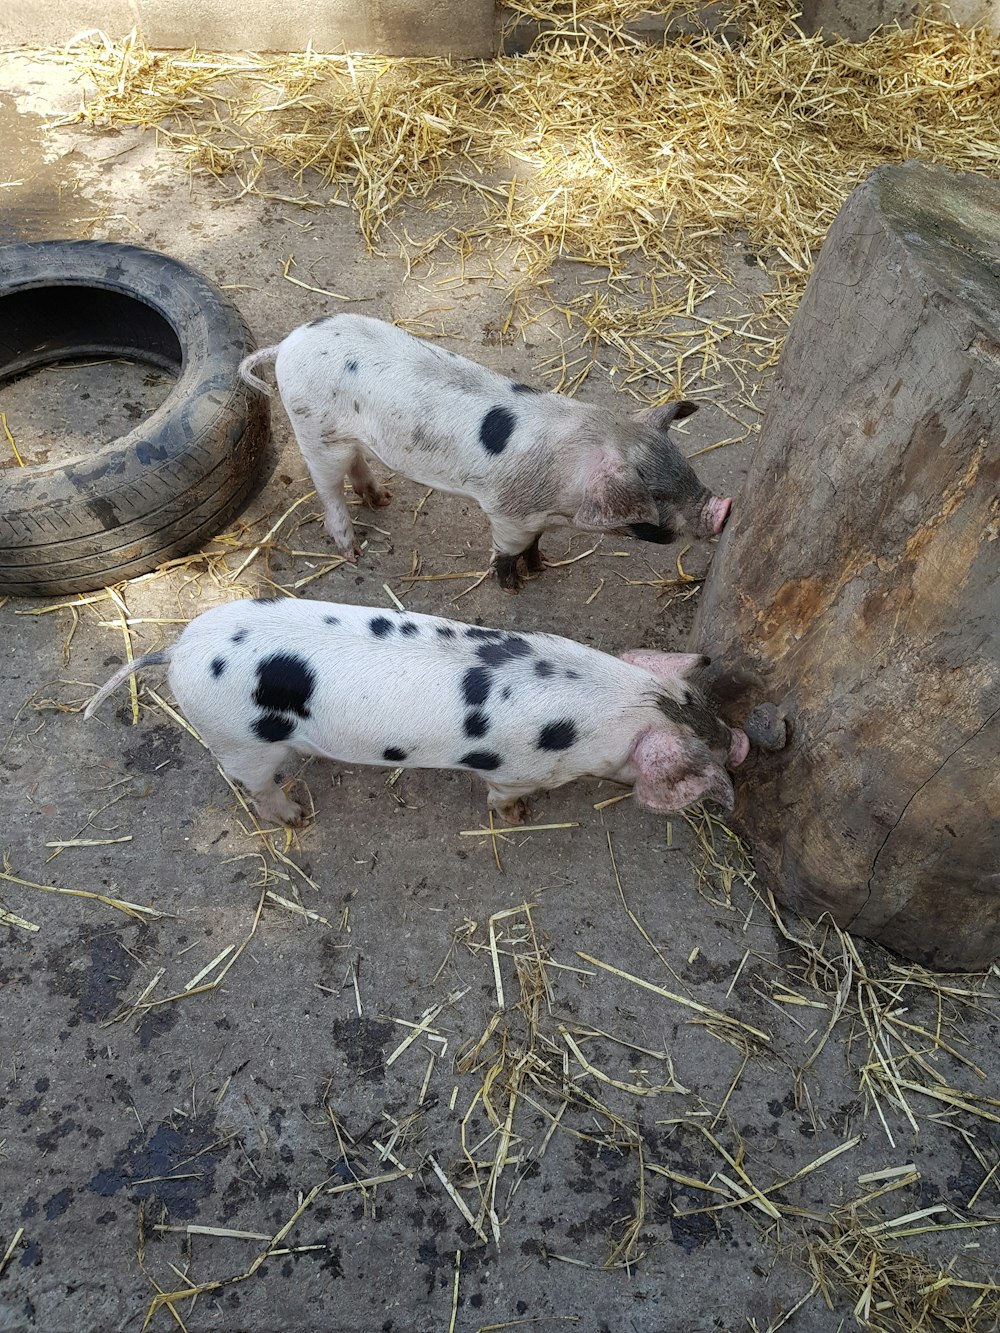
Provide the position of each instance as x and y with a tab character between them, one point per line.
392	1073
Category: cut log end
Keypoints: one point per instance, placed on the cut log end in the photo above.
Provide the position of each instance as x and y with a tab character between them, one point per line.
856	586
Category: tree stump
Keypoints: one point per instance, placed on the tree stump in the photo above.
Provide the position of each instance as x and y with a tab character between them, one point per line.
858	577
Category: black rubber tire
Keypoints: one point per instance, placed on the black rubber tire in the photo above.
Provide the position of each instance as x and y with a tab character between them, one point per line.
183	473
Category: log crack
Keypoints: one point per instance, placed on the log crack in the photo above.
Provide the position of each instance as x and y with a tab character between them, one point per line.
930	778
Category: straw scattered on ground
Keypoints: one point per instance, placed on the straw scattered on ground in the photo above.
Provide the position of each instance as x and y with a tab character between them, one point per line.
635	157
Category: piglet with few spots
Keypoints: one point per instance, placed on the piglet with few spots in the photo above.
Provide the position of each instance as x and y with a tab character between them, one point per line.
266	682
354	386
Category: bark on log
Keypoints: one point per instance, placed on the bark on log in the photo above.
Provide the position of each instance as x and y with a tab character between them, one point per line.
858	576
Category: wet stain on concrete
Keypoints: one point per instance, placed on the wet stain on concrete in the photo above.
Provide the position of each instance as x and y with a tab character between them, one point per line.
363	1041
57	1205
155	1023
159	746
690	1226
44	205
94	970
175	1165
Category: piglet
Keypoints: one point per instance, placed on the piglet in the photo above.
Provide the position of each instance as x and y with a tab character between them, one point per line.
354	386
267	681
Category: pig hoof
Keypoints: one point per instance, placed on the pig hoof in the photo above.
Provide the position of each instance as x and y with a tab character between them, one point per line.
534	561
377	497
279	808
508	575
514	812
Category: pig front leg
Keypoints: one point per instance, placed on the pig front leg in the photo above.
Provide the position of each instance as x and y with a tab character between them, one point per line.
512	543
510	803
256	767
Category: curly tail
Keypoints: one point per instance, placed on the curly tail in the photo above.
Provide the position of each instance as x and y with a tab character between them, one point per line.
254	359
123	673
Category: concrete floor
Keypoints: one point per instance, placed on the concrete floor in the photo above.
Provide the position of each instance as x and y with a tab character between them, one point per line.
128	1119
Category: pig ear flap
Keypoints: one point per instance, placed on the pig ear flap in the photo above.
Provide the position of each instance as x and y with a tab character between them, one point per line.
671	793
615	499
719	788
660	418
666	666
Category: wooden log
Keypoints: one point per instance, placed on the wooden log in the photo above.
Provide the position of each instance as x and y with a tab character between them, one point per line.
858	577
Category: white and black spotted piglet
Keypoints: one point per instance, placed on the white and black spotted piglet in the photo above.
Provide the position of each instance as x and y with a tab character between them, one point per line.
269	680
354	386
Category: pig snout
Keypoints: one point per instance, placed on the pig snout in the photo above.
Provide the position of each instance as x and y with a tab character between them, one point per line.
766	728
739	747
714	513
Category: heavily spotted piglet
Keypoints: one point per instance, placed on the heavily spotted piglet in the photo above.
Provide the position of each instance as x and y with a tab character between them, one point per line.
354	386
266	681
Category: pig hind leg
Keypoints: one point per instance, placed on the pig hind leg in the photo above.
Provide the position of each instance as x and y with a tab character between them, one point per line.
329	460
256	767
366	487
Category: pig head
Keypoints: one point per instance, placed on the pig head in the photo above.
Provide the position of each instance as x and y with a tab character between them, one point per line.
684	760
676	500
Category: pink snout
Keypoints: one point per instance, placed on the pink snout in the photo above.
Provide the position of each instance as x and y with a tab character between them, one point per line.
714	515
739	748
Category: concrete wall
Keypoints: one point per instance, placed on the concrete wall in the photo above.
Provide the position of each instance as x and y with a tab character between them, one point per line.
858	19
464	28
461	28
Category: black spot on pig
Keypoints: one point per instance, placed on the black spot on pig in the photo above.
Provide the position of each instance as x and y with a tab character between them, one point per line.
475	632
477	723
445	631
544	669
476	686
572	675
284	684
272	727
331	620
315	323
505	692
496	654
557	735
351	367
524	388
264	601
239	636
218	666
380	626
487	760
394	754
409	628
495	430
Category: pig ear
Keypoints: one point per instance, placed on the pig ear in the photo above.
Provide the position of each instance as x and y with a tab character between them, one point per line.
672	795
672	775
661	417
614	498
666	666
